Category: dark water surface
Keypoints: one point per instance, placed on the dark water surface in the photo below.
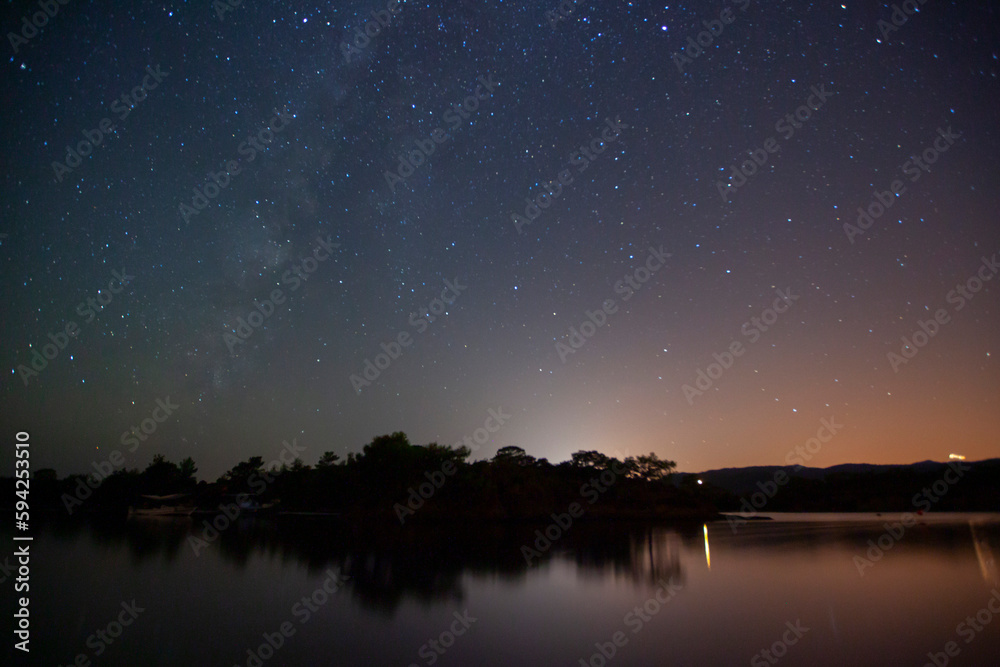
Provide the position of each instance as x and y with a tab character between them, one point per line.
682	595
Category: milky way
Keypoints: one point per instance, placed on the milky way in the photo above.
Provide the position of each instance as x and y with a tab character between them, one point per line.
694	229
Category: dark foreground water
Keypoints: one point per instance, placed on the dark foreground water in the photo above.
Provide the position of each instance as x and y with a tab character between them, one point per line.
463	595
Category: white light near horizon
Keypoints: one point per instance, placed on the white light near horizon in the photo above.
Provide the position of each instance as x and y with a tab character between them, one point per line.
699	481
958	457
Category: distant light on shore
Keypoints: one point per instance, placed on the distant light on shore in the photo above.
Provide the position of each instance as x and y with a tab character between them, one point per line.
957	457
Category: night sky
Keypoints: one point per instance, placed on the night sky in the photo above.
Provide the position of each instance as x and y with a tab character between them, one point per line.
644	223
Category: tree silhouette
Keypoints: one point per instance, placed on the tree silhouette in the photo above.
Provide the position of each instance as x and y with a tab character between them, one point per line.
237	478
161	476
591	459
187	469
650	468
327	459
513	455
391	472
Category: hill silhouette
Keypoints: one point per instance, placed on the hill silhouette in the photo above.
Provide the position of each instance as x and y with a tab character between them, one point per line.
962	486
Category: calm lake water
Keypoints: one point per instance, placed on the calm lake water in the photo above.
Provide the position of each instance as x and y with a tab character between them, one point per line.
691	595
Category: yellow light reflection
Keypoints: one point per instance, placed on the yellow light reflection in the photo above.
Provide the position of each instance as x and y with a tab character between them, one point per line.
708	556
987	561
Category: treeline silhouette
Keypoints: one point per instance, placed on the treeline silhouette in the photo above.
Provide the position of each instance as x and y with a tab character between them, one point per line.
927	486
395	480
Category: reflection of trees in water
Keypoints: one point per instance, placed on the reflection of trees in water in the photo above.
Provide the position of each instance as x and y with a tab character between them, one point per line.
428	563
156	537
387	564
643	554
146	539
384	565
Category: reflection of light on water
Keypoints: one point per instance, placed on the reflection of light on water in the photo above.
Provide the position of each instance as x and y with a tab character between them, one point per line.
987	561
708	556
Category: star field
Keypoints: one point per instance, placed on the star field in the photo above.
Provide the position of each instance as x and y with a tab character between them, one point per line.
685	125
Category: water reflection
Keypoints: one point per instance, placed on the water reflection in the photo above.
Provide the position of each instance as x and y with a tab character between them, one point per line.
708	554
984	552
426	562
387	564
405	581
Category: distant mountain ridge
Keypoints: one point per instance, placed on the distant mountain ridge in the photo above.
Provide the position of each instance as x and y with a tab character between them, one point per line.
857	486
